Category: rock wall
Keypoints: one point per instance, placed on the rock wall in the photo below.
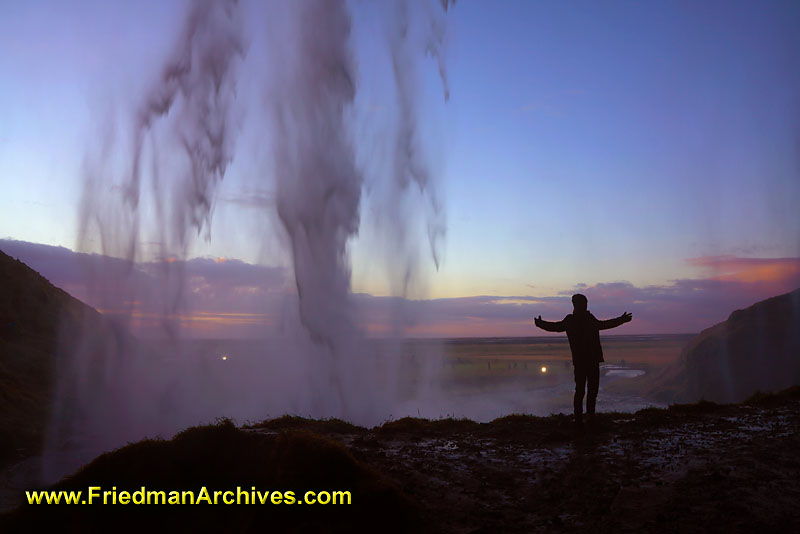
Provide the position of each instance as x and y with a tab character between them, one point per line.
756	349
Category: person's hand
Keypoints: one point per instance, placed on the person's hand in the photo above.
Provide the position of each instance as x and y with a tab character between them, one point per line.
626	317
538	321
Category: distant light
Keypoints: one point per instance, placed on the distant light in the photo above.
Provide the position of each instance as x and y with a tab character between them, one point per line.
544	369
224	357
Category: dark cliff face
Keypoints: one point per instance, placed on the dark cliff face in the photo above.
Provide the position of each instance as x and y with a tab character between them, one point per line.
31	308
756	349
40	325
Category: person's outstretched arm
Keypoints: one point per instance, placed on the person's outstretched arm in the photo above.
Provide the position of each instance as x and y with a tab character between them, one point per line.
558	326
615	322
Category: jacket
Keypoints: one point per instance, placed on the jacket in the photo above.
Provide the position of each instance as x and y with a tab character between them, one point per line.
583	332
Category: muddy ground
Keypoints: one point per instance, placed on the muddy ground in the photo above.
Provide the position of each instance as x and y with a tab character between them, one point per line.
690	468
693	468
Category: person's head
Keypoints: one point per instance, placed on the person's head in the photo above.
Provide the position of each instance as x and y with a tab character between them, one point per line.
579	302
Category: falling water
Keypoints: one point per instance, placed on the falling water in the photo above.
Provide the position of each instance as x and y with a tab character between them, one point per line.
177	147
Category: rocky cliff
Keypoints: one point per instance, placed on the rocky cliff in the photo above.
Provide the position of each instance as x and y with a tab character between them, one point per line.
40	324
756	349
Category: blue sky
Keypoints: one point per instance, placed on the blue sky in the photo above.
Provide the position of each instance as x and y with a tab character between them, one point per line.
583	142
634	134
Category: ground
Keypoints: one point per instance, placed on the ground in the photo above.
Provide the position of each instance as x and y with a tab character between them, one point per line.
692	468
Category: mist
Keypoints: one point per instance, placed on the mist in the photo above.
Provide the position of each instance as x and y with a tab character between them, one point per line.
151	181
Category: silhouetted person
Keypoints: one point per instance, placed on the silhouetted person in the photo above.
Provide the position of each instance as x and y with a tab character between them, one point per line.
583	332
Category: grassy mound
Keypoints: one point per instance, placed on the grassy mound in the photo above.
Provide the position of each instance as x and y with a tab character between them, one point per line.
293	422
222	457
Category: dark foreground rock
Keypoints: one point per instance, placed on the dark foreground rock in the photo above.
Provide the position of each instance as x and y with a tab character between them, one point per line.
690	468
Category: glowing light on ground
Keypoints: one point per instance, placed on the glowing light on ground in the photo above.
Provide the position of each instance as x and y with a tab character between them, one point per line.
544	369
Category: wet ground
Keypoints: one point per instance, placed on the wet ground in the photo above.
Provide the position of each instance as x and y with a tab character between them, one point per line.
689	468
697	468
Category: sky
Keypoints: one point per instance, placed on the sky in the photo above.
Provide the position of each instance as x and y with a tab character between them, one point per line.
644	153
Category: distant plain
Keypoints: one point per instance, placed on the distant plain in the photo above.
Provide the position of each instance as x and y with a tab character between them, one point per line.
485	378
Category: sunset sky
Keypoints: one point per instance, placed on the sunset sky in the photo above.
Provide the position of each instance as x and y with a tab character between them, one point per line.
644	153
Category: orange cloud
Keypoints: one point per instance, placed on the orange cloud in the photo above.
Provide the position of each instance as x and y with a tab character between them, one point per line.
197	322
749	270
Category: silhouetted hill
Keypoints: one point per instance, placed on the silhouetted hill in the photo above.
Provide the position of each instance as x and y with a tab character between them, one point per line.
756	349
222	458
33	316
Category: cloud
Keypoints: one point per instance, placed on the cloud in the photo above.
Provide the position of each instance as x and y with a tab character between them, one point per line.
225	274
751	270
54	263
680	306
232	298
201	294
